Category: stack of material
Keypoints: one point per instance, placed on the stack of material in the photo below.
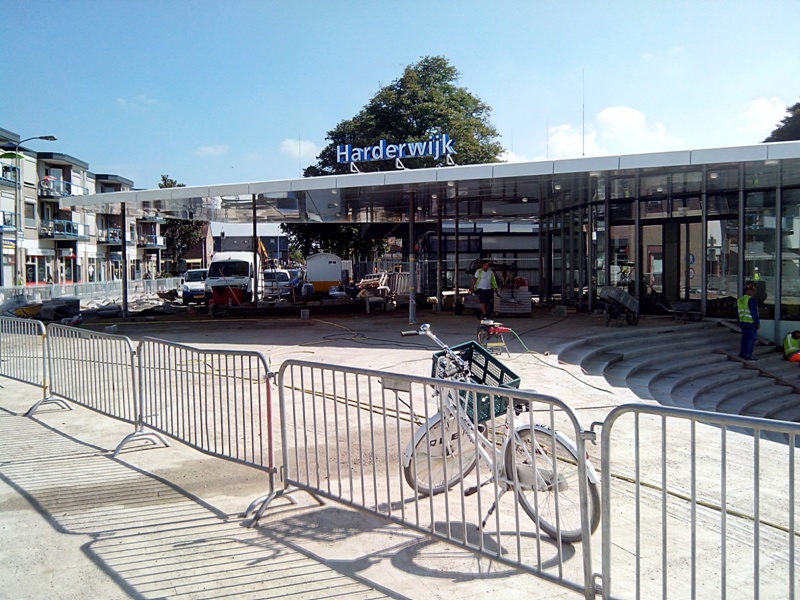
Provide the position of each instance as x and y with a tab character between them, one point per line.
514	301
373	289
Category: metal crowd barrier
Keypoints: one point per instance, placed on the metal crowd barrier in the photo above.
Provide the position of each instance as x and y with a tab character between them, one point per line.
688	513
22	352
95	370
217	401
344	434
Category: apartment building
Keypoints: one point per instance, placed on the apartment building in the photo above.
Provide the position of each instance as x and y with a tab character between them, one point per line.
43	243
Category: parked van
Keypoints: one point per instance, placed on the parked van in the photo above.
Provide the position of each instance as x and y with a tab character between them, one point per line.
193	288
277	284
232	278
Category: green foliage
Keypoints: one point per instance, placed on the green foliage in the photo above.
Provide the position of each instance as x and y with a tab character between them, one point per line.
181	236
343	240
789	129
423	102
166	182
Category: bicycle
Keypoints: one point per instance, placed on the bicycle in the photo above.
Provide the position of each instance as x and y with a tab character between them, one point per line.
546	482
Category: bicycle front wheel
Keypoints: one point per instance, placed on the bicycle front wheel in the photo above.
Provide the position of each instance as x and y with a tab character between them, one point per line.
547	482
436	465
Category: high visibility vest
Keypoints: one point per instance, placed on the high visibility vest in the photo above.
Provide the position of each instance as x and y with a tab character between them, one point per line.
790	345
480	274
745	316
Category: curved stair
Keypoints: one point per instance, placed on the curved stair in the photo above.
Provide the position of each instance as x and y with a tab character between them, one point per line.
692	365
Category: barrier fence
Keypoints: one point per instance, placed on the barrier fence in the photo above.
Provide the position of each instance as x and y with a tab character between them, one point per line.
95	370
22	353
693	504
218	402
698	505
349	436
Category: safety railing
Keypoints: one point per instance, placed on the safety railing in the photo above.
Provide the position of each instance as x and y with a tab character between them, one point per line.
22	352
698	505
95	370
354	436
694	504
216	401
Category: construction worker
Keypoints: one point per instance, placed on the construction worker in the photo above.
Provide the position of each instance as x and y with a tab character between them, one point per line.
749	321
484	283
791	346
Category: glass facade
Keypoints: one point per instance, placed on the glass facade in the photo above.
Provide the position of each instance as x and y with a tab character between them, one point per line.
683	233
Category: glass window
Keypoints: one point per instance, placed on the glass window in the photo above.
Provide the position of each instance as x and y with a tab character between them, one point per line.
722	178
727	204
722	263
760	174
686	182
623	187
791	172
655	185
790	256
621	211
654	209
760	247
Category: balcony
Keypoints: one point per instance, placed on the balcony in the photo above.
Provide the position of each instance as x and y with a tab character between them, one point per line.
7	221
151	219
151	241
63	230
111	235
49	187
8	173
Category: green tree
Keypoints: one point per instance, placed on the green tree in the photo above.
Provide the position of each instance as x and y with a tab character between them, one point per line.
423	102
166	182
789	129
344	240
180	236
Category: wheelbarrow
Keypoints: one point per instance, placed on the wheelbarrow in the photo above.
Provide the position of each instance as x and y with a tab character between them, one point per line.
684	309
620	305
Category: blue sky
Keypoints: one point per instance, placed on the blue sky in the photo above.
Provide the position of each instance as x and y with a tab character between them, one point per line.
225	92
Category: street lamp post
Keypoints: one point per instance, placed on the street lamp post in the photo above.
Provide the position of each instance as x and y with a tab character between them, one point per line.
18	201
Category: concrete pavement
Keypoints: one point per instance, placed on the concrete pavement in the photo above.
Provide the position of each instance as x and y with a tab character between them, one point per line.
165	522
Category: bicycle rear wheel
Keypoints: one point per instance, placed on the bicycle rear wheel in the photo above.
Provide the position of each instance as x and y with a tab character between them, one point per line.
436	466
556	504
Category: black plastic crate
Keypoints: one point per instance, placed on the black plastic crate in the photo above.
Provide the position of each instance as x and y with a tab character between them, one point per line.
485	369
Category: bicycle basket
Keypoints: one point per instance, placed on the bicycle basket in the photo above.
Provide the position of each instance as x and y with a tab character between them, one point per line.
484	369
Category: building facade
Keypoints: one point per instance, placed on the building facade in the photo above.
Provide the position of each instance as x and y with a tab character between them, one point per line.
46	240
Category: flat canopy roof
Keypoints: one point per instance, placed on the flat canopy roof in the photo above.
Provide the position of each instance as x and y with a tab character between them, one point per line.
506	191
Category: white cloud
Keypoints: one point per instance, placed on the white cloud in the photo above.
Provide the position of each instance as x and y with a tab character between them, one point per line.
615	130
566	141
300	149
139	101
211	150
760	116
511	157
626	130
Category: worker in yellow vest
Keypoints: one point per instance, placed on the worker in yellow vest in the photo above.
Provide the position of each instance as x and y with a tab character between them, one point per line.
749	322
791	346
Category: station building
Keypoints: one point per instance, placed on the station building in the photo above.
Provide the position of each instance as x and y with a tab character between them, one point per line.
675	226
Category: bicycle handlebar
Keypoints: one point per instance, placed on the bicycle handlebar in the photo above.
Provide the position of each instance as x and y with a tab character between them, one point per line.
425	329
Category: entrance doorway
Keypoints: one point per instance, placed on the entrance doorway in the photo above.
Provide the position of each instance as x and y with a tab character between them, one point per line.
671	253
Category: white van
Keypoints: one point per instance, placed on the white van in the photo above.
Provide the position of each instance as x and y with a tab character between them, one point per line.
193	288
232	278
277	283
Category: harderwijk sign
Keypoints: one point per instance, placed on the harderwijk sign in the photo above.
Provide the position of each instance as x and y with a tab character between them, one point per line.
437	146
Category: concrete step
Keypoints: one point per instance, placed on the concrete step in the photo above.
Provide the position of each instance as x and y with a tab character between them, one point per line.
735	402
770	404
709	397
662	386
790	411
690	387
